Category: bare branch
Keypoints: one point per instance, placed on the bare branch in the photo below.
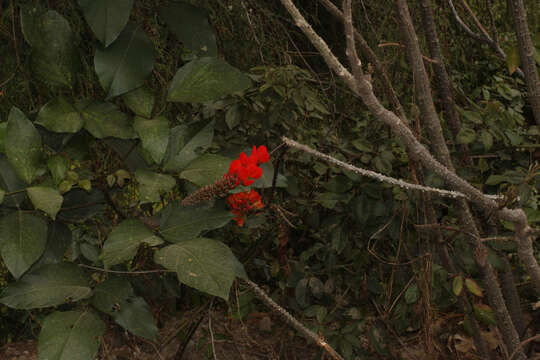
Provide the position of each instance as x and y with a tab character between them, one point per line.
372	58
373	174
289	319
352	55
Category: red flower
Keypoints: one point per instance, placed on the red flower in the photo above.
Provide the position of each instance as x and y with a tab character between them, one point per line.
242	203
246	168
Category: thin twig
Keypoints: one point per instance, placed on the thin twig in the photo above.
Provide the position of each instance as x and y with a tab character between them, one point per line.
522	344
210	329
288	318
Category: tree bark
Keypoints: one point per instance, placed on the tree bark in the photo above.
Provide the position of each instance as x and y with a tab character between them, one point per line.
526	55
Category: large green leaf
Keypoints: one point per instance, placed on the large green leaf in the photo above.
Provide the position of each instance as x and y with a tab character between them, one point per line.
179	223
116	298
186	144
204	264
54	57
23	145
106	18
206	169
10	182
206	79
73	335
125	64
154	136
22	241
45	198
190	25
140	101
80	205
124	240
151	184
103	119
58	240
50	285
59	115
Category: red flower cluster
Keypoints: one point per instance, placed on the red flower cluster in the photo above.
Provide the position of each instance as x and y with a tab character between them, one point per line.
243	202
246	168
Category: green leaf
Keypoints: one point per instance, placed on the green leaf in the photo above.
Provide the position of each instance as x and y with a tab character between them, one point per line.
154	136
486	139
206	79
140	101
512	59
59	115
151	184
466	136
233	117
30	16
180	224
2	194
54	57
10	182
473	287
50	285
73	335
116	298
125	64
186	144
106	18
22	241
58	240
3	134
265	181
412	294
104	119
484	313
190	25
330	200
206	169
204	264
124	240
457	285
45	198
23	145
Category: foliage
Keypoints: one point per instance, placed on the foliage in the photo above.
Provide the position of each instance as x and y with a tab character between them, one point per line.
118	115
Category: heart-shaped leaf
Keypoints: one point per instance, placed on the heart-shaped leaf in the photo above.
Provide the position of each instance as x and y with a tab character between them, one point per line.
116	298
206	79
45	198
204	264
23	145
22	241
125	64
186	144
152	184
104	119
124	240
73	335
190	25
106	18
50	285
154	136
180	224
59	115
206	169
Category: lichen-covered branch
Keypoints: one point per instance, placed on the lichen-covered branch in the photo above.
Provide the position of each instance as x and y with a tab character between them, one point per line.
289	319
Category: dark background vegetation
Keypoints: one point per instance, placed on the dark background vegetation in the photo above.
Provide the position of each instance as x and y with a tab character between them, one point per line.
342	252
